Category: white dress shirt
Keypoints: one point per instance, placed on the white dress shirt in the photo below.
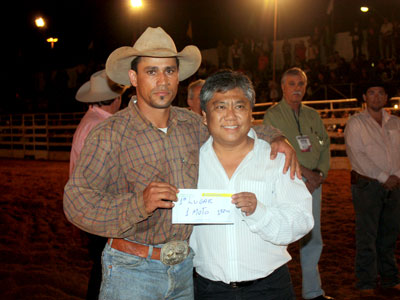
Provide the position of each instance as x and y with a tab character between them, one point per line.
373	151
254	246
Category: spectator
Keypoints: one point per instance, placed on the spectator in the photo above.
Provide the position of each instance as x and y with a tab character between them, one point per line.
356	39
386	34
236	53
304	128
193	97
287	54
372	144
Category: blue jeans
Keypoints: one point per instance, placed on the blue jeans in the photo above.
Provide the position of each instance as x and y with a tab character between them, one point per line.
310	252
131	277
377	229
276	286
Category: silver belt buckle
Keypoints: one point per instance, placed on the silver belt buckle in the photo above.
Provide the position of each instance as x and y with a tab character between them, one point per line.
174	252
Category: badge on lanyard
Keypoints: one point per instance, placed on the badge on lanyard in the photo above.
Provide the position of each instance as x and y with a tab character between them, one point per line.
304	143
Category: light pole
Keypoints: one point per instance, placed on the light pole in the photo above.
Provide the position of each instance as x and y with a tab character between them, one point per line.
52	40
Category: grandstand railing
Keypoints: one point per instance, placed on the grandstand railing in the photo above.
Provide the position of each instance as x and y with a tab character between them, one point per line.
49	135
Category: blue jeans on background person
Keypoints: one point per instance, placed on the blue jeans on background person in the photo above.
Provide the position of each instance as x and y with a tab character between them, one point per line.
377	229
276	286
310	252
131	277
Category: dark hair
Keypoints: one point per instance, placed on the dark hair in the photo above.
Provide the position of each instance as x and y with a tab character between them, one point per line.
136	61
103	103
223	81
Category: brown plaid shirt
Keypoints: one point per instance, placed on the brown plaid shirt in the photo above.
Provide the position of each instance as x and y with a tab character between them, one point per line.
121	156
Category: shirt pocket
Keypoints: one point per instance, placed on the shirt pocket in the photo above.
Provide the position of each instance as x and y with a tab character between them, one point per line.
144	173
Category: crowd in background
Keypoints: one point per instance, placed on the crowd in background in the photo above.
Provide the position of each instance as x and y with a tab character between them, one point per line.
376	55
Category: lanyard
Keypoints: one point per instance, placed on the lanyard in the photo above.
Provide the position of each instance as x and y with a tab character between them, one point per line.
297	121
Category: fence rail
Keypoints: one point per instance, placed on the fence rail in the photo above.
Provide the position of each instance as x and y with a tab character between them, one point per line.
49	135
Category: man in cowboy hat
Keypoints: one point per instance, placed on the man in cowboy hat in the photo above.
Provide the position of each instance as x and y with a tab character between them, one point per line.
372	144
131	167
104	99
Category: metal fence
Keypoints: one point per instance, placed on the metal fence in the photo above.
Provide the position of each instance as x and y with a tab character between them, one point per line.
49	135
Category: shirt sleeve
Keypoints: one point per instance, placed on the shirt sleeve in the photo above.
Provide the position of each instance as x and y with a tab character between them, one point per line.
91	201
355	150
289	217
267	132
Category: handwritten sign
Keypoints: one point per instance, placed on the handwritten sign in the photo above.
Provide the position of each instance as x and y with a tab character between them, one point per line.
203	207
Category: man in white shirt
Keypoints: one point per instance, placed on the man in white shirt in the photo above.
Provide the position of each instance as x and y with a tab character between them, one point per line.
247	258
373	147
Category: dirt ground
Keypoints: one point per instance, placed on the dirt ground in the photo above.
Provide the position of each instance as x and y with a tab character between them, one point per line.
43	256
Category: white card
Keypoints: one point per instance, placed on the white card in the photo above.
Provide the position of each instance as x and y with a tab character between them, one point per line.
203	207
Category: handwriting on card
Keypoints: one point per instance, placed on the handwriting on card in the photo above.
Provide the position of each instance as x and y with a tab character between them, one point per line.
202	207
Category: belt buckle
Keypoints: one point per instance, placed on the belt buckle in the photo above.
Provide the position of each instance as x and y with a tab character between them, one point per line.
174	252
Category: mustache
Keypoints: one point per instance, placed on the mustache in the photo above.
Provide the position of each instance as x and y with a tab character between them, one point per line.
161	88
296	93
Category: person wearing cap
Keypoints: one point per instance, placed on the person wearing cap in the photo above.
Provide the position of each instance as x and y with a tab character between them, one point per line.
373	147
193	97
131	167
104	99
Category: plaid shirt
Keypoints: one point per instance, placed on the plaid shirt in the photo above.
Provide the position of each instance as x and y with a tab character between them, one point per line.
121	156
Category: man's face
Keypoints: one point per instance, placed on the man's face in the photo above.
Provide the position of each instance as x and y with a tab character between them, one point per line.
194	102
294	88
156	81
376	98
228	117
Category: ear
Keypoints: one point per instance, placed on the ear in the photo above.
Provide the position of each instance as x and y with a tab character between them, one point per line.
365	98
204	114
133	77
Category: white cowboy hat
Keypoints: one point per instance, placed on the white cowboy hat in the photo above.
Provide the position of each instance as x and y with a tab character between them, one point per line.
97	89
154	42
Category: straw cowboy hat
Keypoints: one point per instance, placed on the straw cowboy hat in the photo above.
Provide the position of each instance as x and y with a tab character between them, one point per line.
154	42
98	88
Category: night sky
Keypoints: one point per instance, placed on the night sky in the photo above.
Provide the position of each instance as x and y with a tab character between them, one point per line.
108	24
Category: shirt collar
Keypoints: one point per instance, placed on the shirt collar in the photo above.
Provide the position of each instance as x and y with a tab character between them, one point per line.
140	122
98	110
288	107
385	115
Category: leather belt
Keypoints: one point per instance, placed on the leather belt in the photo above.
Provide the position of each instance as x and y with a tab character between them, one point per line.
134	248
355	177
234	285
